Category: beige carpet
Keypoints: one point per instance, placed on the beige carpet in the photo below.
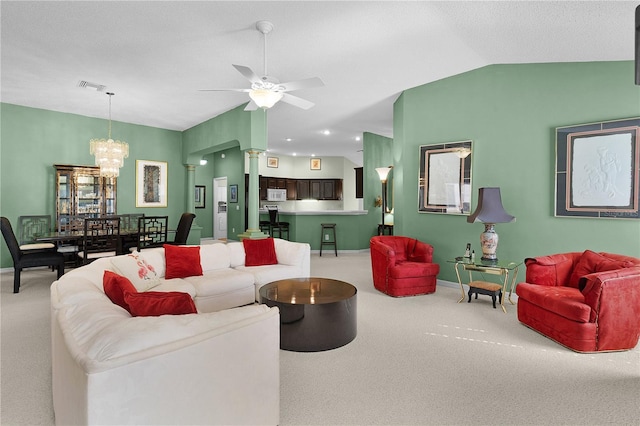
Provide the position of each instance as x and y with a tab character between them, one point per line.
417	360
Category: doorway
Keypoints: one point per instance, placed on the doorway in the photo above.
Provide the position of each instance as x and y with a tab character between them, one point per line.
220	208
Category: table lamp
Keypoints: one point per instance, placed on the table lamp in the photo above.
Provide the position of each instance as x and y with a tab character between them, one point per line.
489	211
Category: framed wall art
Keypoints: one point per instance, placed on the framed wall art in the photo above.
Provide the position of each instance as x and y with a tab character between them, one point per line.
272	162
151	183
444	183
233	193
315	164
597	173
200	199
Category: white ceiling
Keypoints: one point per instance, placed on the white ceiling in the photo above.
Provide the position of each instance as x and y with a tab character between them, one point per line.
156	56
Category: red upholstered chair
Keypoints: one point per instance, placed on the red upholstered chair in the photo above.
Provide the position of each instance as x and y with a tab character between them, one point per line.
588	302
402	266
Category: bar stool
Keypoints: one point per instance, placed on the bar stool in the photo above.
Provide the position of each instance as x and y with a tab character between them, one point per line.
328	227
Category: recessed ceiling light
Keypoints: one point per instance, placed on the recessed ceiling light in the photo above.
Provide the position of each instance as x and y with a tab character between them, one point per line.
313	155
357	138
288	139
326	132
294	154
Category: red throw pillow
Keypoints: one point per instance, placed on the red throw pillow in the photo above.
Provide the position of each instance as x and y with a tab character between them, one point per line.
156	303
182	261
591	262
259	252
116	286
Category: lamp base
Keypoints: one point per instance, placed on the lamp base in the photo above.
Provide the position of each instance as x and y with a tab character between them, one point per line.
489	243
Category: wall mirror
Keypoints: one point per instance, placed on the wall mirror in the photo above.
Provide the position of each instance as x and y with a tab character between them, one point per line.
444	183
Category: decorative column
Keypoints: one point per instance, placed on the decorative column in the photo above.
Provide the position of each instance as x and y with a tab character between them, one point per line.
195	234
253	200
191	184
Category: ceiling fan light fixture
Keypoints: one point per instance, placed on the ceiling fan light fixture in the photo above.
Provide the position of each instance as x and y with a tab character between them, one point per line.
264	98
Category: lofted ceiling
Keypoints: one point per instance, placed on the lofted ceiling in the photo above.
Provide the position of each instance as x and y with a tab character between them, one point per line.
155	56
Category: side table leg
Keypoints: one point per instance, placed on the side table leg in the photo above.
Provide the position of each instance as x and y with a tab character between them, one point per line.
513	282
460	282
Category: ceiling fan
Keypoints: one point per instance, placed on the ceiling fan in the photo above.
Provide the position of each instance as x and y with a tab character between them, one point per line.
266	91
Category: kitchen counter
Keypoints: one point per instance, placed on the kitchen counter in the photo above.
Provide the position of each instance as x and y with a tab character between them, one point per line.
353	227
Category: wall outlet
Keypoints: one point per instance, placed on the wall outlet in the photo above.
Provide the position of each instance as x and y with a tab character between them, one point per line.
326	237
233	229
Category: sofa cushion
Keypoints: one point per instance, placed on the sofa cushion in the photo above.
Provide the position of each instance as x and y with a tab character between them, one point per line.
219	281
413	269
115	287
182	261
214	256
135	267
591	262
568	302
156	303
259	252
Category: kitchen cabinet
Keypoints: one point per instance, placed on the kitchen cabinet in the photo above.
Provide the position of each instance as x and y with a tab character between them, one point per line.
302	187
81	191
292	189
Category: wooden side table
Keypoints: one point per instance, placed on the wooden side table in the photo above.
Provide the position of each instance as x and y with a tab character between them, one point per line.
385	227
508	270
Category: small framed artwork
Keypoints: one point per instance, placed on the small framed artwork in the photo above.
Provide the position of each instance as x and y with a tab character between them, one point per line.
233	193
597	170
444	183
151	183
200	197
272	162
315	164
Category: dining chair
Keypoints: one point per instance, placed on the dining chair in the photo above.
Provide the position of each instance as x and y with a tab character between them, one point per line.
152	231
275	224
101	238
32	227
70	248
28	259
184	227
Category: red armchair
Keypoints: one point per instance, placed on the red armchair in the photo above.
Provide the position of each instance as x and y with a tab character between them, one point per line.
588	302
402	266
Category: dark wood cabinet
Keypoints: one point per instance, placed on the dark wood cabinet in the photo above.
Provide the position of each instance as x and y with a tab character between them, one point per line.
359	182
292	189
302	186
303	189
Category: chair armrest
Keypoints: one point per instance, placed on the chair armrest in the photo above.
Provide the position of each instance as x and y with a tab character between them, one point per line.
423	252
382	253
552	270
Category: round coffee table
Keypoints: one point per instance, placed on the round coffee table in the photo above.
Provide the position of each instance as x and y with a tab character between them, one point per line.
316	314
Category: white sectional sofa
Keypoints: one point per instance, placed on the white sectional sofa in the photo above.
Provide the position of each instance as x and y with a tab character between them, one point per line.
218	366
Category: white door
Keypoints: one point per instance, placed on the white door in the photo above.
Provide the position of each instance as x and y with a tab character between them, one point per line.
220	208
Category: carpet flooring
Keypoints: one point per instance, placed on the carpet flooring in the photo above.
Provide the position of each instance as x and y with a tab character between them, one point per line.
423	360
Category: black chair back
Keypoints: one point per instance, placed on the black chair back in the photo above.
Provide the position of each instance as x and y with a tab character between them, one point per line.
153	231
184	227
10	239
101	238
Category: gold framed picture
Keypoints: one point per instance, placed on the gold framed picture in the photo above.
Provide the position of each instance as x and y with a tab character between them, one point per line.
315	164
272	162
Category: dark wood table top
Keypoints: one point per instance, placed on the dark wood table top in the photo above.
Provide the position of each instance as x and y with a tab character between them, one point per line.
307	291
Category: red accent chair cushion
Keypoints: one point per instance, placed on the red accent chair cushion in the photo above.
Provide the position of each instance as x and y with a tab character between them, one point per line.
156	303
259	252
402	266
588	302
182	261
116	286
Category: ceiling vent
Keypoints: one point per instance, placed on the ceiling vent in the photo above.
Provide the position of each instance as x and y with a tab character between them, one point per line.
92	86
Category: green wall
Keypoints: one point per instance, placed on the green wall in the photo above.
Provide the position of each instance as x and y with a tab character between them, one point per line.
511	112
33	140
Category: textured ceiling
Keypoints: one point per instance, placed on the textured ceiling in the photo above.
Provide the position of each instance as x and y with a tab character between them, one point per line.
156	56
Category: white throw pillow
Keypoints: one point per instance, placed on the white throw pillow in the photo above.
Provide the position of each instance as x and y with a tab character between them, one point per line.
133	266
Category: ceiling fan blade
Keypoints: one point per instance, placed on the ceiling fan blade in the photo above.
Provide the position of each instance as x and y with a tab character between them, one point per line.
251	106
224	90
247	73
307	83
296	101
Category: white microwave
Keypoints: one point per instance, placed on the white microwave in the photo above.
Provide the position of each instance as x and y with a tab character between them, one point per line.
276	194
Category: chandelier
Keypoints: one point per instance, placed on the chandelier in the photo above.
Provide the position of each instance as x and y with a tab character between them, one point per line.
109	154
